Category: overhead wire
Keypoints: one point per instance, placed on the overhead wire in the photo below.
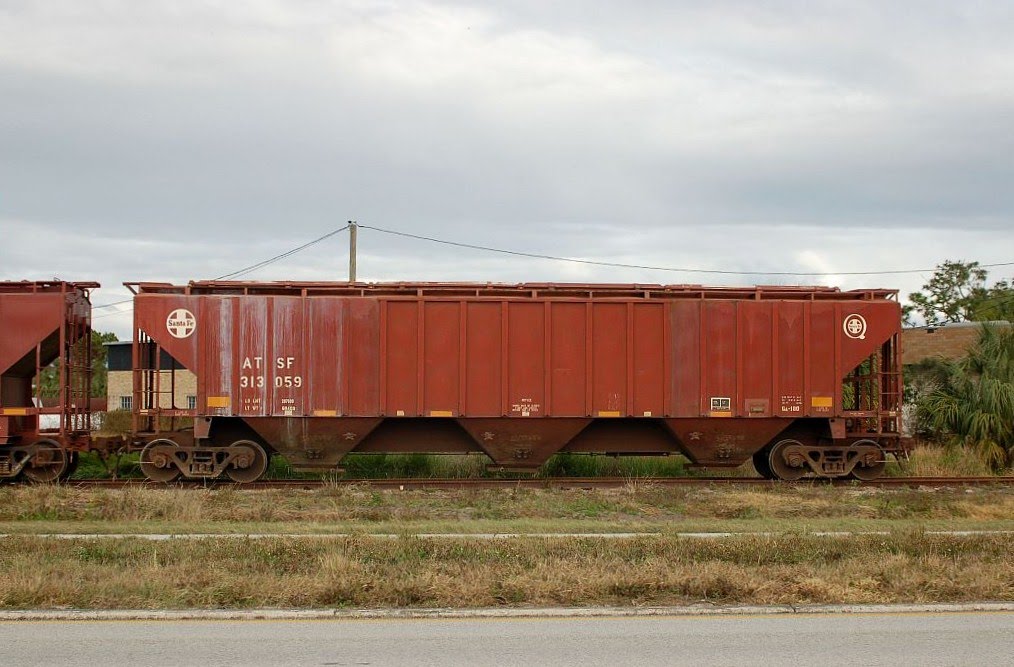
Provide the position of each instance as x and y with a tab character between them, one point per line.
992	305
254	267
995	304
241	272
110	305
519	253
576	260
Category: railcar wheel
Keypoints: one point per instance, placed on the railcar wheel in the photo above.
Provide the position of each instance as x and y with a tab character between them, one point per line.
249	463
47	462
158	461
73	459
786	461
871	462
762	465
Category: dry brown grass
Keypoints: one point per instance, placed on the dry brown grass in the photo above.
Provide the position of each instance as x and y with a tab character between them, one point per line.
413	572
639	505
907	566
929	460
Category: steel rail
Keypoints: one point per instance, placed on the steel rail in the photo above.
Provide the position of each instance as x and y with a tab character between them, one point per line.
406	484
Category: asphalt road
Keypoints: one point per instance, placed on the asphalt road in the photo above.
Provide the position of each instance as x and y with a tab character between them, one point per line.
867	639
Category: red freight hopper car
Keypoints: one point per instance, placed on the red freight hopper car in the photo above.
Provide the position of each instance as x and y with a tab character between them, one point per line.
802	379
43	322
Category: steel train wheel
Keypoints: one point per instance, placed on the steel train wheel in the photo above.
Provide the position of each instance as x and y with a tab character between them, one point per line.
158	461
785	464
250	462
47	463
869	466
73	459
762	465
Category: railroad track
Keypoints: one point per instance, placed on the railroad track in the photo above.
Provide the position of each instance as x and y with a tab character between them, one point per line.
544	483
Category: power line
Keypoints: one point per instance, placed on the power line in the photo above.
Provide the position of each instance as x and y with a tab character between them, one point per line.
239	272
995	304
110	305
254	267
518	253
113	312
575	260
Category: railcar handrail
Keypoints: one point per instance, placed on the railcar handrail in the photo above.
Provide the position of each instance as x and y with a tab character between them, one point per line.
512	290
36	286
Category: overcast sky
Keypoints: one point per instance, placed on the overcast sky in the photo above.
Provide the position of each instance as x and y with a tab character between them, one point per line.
176	140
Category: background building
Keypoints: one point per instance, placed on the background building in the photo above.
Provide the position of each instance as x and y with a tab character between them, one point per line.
949	341
120	388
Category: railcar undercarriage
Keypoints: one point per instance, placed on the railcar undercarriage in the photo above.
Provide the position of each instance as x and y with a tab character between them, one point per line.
240	450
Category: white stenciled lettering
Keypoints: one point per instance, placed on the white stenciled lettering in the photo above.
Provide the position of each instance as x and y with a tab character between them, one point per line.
526	407
251	381
252	362
284	362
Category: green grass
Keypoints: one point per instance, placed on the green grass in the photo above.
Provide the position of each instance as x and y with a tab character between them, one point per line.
490	526
429	466
925	460
634	508
786	565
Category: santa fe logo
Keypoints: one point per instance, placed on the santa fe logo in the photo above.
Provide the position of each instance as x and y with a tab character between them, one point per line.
855	326
181	323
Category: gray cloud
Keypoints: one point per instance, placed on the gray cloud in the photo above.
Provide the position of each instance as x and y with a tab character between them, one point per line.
185	140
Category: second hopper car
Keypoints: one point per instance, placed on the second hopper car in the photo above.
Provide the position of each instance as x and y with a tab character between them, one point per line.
802	380
45	327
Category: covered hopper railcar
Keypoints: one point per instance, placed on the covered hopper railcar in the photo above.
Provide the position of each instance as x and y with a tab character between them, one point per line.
42	323
803	380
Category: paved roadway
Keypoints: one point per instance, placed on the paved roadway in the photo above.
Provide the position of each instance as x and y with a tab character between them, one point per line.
866	639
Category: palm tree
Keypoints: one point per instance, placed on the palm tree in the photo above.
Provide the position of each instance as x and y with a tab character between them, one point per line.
973	400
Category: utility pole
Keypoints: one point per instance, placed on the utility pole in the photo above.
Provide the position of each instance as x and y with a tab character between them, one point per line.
352	250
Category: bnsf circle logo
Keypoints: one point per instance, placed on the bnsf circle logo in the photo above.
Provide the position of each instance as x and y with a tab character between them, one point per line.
181	323
855	326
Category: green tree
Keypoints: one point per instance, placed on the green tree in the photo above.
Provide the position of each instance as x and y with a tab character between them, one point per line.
50	378
997	303
973	400
957	292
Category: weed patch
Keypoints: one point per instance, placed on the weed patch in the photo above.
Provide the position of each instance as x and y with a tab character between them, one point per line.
639	506
414	572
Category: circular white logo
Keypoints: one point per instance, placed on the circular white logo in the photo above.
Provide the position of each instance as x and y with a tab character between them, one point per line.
181	323
855	326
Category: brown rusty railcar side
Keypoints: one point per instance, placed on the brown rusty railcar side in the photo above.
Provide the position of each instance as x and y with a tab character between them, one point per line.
804	379
40	323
